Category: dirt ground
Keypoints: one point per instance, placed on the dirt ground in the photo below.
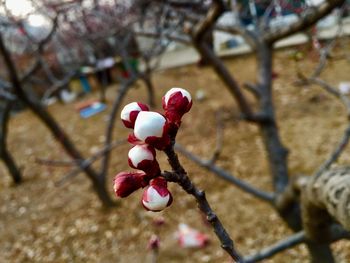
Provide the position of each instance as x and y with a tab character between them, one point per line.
40	222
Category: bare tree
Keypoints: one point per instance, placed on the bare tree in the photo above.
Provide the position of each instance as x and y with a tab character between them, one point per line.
80	34
313	206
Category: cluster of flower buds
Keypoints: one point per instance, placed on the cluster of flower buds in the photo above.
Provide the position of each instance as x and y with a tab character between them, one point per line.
151	131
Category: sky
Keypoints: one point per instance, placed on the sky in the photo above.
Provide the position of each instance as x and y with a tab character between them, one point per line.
19	7
23	8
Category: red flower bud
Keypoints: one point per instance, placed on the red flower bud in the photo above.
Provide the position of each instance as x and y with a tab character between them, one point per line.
143	157
151	128
176	103
125	183
154	242
156	196
130	112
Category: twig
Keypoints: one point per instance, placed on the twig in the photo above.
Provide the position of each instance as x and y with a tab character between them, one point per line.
125	86
282	245
180	177
57	163
336	153
327	87
253	89
87	162
268	197
219	137
307	19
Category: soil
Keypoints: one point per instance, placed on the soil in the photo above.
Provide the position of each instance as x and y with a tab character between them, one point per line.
40	222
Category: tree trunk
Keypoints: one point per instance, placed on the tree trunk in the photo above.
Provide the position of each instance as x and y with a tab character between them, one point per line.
5	155
55	129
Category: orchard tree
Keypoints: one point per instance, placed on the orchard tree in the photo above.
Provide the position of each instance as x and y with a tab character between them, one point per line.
72	34
315	207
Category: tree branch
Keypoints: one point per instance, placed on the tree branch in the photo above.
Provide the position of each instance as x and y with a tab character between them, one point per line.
267	197
180	177
53	126
336	153
280	246
307	19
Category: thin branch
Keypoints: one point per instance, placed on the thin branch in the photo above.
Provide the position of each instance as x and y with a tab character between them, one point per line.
57	163
152	34
125	86
204	25
227	78
179	176
336	153
253	89
268	197
280	246
332	90
219	137
89	161
307	19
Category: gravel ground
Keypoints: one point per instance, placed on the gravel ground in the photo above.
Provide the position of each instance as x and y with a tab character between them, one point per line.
40	222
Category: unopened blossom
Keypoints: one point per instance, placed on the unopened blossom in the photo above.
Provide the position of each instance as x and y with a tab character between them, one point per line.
150	128
176	103
153	242
143	157
156	196
191	238
125	183
130	112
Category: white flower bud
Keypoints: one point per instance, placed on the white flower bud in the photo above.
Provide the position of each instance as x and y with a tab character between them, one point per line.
156	197
130	113
149	124
139	153
172	91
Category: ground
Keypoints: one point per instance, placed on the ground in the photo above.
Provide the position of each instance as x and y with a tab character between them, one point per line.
40	222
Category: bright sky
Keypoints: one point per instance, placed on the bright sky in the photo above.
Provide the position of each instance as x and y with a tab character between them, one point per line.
19	7
23	8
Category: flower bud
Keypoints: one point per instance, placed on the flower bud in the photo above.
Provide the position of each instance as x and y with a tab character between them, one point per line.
176	103
151	128
125	183
191	238
156	196
130	112
143	157
154	242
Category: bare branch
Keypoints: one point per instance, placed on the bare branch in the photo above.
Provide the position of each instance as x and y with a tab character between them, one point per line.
179	176
219	137
280	246
332	90
336	153
268	197
89	161
58	163
307	19
125	86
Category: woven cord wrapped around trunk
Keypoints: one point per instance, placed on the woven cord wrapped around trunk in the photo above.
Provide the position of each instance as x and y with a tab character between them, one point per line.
326	198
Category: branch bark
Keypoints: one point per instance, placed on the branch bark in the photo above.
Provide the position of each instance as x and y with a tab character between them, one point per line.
179	176
267	197
5	155
280	246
